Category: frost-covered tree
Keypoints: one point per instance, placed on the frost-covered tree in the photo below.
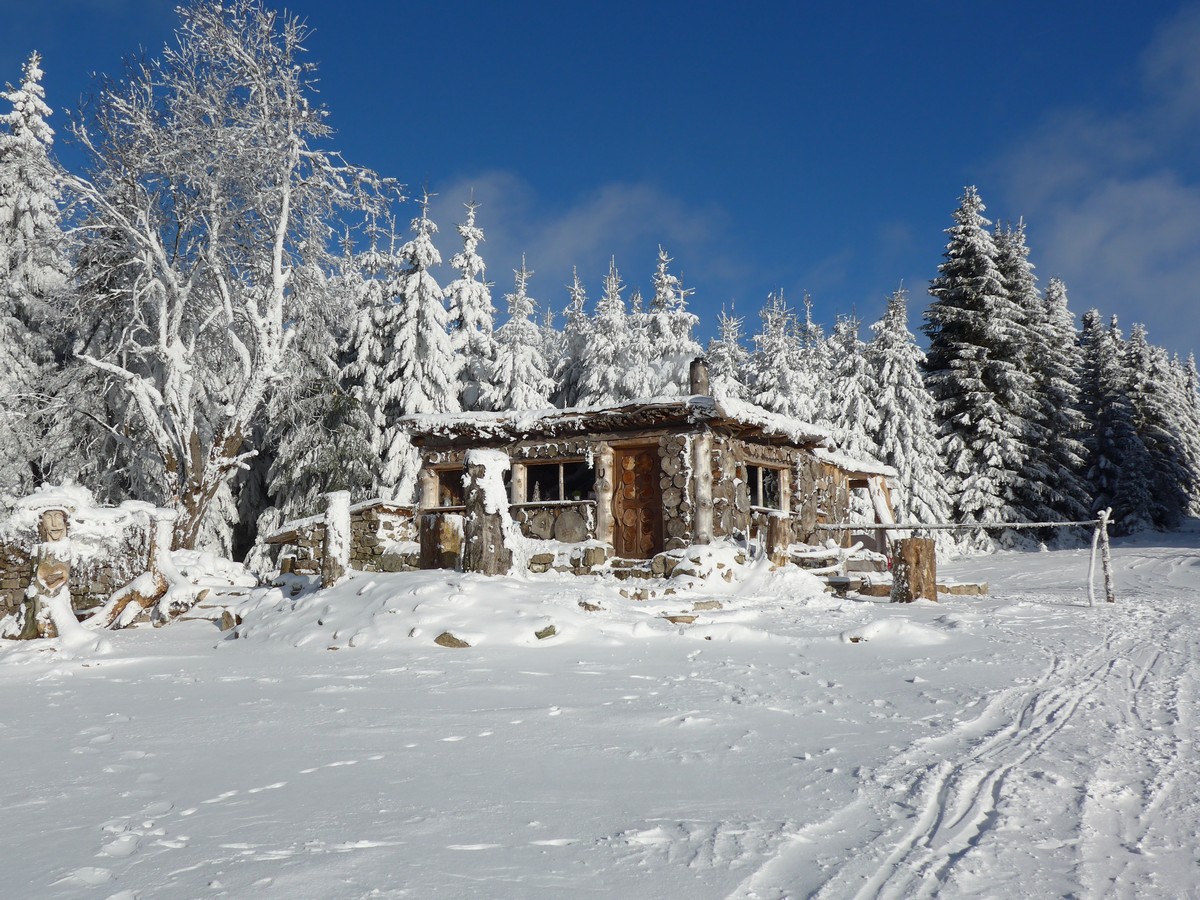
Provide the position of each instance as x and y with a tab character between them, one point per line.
319	434
517	378
472	313
907	431
1058	376
775	383
855	416
569	372
641	371
416	368
1118	462
209	198
814	370
606	355
33	272
728	359
1149	384
670	326
981	390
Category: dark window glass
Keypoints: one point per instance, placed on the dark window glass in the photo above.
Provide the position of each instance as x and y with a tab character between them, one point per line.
450	487
765	486
559	481
771	496
541	483
579	481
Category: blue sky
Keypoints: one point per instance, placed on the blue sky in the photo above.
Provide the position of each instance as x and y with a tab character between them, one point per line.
788	146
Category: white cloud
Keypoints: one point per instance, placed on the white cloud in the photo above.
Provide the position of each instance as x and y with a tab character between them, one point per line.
628	220
1112	199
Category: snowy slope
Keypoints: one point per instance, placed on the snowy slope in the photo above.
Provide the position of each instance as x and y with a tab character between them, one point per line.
1018	745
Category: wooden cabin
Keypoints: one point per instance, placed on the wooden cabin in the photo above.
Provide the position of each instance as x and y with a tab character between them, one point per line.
655	475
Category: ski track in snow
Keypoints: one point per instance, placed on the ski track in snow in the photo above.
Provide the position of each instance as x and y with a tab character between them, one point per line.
1106	734
1042	749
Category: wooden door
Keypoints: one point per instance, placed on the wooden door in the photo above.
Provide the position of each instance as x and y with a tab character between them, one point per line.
637	504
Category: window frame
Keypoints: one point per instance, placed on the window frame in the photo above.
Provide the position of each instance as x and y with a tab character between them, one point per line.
562	486
754	485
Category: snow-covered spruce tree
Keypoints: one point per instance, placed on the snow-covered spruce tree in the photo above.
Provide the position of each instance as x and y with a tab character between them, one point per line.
1058	376
1148	372
318	434
855	415
569	371
728	360
814	370
33	273
472	313
1118	462
421	373
670	328
367	356
1050	486
974	373
553	344
210	189
907	432
774	380
1188	391
640	373
517	378
606	355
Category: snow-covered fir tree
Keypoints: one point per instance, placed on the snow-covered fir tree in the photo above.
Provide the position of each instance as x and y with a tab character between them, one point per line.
981	390
670	327
33	271
472	313
319	436
814	370
1058	374
553	345
569	371
518	376
640	373
606	355
855	416
1149	386
1118	462
775	368
423	369
727	358
907	432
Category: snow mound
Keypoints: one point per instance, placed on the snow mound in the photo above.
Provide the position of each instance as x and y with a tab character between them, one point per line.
896	632
418	608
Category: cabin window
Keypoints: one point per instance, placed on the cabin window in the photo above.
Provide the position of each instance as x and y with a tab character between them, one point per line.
450	487
575	480
766	486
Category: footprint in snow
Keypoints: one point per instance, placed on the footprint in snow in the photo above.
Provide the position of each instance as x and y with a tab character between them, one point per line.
124	846
220	797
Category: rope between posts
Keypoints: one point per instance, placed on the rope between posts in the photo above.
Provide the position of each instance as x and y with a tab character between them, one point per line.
1099	537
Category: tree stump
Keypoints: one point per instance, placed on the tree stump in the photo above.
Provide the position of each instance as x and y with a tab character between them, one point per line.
914	570
779	538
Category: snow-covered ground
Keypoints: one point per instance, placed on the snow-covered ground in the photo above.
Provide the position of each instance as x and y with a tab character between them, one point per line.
1017	745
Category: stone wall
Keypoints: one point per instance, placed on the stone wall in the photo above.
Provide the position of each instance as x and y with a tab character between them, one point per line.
675	454
110	548
567	522
383	537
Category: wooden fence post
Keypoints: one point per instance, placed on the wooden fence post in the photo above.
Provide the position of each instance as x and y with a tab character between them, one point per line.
1106	557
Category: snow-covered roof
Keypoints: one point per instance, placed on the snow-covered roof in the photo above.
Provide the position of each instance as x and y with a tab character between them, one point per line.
641	413
859	465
